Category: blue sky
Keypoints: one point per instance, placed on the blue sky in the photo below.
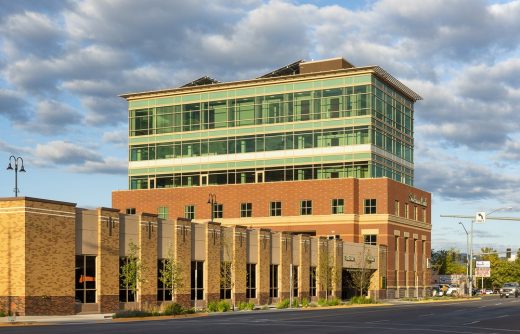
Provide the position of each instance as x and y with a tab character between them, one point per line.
63	63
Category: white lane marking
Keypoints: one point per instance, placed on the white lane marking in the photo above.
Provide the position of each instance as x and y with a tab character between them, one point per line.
471	323
483	306
498	304
502	316
426	315
376	321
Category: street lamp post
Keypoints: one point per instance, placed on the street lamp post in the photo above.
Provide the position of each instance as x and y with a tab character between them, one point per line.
467	255
213	201
15	160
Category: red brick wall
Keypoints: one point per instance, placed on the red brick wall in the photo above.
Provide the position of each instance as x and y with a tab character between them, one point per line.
354	191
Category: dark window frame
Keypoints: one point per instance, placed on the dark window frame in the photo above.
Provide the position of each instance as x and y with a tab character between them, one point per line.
246	210
337	206
251	280
306	207
199	265
275	209
85	283
370	206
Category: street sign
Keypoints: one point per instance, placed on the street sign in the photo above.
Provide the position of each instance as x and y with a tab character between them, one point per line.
482	272
480	217
482	264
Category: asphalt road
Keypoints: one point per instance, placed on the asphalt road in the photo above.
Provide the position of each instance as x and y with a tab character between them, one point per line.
490	315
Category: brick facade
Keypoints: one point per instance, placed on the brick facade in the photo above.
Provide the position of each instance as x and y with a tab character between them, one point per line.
62	231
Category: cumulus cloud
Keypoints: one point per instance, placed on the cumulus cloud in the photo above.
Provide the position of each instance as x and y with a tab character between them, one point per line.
13	106
76	159
65	62
118	137
108	166
31	33
52	117
64	153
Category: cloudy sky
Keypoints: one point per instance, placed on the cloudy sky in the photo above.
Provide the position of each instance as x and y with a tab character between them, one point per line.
63	63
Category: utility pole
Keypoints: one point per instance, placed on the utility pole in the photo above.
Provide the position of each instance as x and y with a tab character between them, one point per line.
479	217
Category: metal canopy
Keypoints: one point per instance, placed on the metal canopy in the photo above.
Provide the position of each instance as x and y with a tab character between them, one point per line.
291	69
205	80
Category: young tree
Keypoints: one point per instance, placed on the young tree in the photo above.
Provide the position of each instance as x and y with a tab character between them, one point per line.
226	265
171	274
327	272
131	270
360	277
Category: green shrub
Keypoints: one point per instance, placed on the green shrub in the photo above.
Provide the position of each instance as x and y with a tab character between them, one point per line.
189	311
246	306
295	303
173	309
223	306
334	301
2	314
322	302
361	300
212	306
283	304
305	302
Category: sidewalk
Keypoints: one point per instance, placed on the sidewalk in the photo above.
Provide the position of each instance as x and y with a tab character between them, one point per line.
57	319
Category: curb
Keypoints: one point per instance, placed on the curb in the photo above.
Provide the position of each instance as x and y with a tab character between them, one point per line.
106	320
160	317
318	308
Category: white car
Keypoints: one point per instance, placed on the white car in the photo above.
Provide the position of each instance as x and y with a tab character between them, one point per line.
453	290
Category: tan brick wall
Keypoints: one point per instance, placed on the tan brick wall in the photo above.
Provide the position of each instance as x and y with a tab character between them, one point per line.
182	253
147	291
37	240
107	261
337	257
285	266
263	266
304	265
212	263
321	269
12	251
238	276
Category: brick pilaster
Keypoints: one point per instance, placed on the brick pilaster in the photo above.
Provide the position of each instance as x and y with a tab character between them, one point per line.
107	264
147	291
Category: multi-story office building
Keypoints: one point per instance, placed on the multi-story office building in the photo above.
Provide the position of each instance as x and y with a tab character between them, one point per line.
319	147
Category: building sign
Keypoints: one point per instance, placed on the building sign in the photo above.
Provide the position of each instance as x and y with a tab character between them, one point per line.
418	200
349	258
483	272
482	264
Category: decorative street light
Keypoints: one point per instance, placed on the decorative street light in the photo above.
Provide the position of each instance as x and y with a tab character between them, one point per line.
10	167
213	201
467	255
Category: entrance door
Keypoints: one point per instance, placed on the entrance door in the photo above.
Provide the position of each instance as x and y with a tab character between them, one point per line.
347	289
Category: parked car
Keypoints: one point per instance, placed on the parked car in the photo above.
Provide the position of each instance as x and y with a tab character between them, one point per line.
453	290
510	289
446	290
